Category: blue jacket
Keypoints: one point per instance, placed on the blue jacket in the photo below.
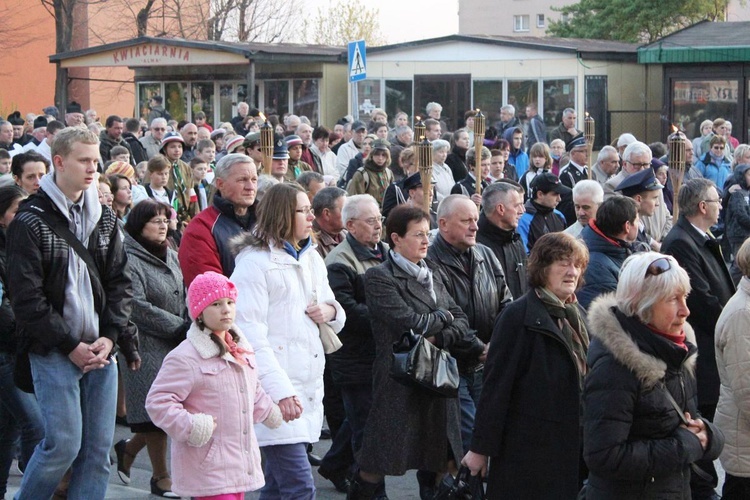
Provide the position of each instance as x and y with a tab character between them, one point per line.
713	172
603	271
547	221
517	157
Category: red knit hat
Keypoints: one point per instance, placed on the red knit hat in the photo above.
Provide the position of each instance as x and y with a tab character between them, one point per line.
206	289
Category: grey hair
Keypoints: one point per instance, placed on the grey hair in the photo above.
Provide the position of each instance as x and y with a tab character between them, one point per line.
509	108
265	182
326	198
439	144
353	206
608	150
243	104
691	194
471	154
626	139
159	120
636	148
739	152
289	119
568	111
590	188
637	292
450	203
403	129
305	178
228	161
300	126
497	193
432	105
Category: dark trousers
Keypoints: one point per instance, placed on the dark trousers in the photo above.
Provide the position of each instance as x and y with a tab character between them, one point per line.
357	400
736	488
704	488
333	406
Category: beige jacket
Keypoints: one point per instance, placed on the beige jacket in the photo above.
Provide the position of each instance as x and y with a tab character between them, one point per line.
732	343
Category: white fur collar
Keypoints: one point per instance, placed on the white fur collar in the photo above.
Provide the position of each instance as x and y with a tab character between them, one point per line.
207	348
603	324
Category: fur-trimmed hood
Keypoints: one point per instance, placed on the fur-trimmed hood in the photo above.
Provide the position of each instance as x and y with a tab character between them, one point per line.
603	325
242	241
207	348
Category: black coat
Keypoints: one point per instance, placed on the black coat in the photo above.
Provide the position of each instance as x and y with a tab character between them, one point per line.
570	176
456	160
467	186
528	419
482	293
712	287
137	150
7	319
347	263
633	443
407	428
509	250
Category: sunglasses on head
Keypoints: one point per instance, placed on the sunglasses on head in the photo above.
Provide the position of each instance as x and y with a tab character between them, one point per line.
657	267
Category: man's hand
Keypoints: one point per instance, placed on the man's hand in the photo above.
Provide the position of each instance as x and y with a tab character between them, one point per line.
81	356
476	463
477	198
135	364
101	349
483	356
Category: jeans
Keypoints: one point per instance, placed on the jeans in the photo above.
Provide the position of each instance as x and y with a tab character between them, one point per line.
19	415
288	473
469	391
357	402
79	424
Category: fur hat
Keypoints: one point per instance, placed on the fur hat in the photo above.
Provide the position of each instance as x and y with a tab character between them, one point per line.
206	289
74	107
16	119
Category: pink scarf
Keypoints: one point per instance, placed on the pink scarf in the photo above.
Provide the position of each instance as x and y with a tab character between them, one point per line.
235	350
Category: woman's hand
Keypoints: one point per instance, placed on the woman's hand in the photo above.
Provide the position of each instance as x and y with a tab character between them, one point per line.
698	427
290	408
476	463
321	313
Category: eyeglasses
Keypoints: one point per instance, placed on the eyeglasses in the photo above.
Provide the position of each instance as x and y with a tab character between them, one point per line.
713	201
657	267
307	211
640	165
158	129
159	222
420	235
371	221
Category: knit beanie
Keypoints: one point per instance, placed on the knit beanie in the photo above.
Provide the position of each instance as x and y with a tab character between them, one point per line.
206	289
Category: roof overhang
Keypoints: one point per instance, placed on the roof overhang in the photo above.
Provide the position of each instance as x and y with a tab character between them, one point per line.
666	54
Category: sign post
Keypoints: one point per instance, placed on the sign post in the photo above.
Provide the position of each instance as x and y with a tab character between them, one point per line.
357	71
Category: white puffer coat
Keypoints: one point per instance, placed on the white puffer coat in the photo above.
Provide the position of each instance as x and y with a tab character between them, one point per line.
732	343
274	291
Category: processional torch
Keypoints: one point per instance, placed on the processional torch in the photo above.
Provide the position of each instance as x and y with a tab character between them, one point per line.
479	130
266	145
419	131
589	134
423	157
677	165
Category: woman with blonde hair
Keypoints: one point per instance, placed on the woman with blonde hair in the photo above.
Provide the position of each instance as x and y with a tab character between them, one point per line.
284	300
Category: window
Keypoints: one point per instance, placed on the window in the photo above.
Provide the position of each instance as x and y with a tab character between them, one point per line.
368	98
176	99
145	92
226	97
521	23
488	96
696	100
306	99
540	20
276	97
203	99
558	95
398	96
565	18
521	93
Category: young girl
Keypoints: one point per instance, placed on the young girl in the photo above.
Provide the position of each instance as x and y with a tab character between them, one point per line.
207	397
540	161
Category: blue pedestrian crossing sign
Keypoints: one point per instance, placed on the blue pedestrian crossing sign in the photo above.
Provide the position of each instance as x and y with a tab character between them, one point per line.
357	61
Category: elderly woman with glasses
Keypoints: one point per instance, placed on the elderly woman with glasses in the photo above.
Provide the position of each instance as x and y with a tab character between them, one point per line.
642	429
528	418
407	428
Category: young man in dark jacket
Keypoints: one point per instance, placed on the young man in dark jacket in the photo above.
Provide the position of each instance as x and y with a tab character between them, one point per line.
69	316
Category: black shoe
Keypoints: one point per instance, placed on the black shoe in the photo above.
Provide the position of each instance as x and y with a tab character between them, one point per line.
339	479
362	490
155	490
314	459
426	480
325	434
120	452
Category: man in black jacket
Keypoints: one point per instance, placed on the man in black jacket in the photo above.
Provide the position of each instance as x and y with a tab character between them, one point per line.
475	279
70	309
502	207
351	366
692	244
130	136
111	137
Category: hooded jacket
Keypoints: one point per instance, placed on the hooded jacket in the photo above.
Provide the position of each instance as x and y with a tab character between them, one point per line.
633	443
538	221
517	157
737	216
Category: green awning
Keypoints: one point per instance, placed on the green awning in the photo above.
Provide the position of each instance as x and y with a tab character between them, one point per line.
659	54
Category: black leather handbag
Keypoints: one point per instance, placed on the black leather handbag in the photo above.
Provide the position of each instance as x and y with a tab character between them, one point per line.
418	363
463	487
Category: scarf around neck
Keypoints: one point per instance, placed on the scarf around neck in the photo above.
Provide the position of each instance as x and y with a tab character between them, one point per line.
236	351
420	271
568	317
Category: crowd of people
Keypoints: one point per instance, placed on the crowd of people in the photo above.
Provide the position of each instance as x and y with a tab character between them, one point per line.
167	276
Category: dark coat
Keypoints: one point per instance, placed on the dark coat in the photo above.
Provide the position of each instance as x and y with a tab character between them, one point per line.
456	160
467	186
603	271
7	319
347	263
482	293
509	250
137	151
528	418
633	443
407	428
570	176
712	287
106	143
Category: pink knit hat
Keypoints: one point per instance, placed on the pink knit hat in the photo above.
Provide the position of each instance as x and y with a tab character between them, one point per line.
206	289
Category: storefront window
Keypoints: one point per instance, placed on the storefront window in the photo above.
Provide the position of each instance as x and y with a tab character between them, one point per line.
306	99
696	100
226	97
558	95
145	92
276	97
488	97
521	93
368	98
175	99
203	98
398	97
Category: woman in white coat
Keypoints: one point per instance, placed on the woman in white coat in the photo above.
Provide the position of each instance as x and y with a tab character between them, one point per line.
283	296
732	343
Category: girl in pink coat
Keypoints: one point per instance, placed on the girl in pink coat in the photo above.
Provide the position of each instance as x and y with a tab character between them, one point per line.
206	397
